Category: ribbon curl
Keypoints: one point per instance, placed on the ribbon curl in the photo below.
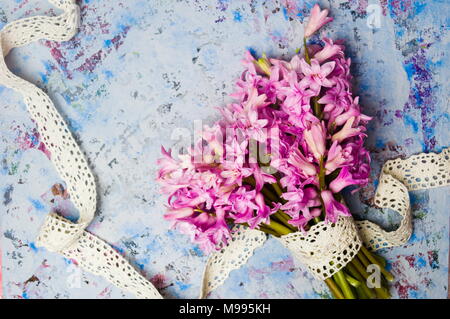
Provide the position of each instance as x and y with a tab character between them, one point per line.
59	234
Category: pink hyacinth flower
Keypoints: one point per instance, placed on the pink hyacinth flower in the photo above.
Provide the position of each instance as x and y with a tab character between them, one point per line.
167	164
262	213
352	111
330	49
337	157
315	139
337	97
214	149
297	159
343	118
297	93
344	179
346	131
249	62
302	220
261	177
294	196
316	74
242	204
333	209
293	65
317	19
179	213
255	100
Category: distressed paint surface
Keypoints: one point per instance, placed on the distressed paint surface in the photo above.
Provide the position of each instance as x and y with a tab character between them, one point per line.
139	70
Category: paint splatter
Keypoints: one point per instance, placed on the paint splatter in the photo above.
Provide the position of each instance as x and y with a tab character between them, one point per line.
7	195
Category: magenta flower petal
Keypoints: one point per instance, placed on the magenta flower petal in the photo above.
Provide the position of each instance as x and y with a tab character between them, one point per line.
179	213
346	131
297	159
317	19
330	50
344	179
315	139
333	209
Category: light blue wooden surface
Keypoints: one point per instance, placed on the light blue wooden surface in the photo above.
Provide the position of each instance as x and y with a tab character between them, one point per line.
138	71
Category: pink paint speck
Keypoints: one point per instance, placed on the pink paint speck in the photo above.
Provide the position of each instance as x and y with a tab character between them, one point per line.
26	140
105	292
411	259
57	54
159	281
283	265
91	62
404	289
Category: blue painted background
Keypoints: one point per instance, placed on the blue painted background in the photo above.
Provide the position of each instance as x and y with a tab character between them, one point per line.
138	71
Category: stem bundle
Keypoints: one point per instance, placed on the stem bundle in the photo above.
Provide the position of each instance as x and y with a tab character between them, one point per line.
352	281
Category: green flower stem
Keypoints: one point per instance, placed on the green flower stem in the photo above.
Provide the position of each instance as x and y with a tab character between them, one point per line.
322	183
322	186
277	218
317	107
342	282
352	281
361	293
332	128
277	189
283	215
279	228
335	290
266	192
382	293
359	267
363	259
381	260
266	229
354	272
307	58
369	256
284	218
268	202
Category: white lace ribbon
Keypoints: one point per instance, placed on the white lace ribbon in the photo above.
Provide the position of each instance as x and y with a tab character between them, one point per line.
59	234
240	248
398	176
327	248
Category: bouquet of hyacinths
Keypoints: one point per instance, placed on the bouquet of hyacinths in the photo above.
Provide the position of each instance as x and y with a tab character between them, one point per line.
279	158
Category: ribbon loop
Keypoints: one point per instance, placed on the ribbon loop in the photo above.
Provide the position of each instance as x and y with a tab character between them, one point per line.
326	247
93	254
398	176
58	233
240	248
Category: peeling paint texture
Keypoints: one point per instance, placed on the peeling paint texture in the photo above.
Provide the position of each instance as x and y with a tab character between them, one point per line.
138	71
